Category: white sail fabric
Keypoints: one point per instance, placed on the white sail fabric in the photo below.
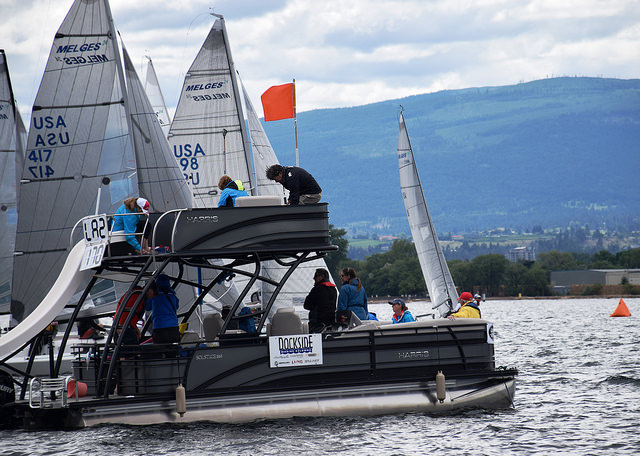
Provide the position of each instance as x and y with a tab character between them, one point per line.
442	290
12	140
152	87
208	134
78	136
159	179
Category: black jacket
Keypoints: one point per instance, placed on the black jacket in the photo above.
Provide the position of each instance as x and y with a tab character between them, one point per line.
298	182
321	303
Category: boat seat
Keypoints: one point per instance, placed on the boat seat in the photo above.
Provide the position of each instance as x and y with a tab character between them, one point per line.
286	321
190	337
212	324
267	200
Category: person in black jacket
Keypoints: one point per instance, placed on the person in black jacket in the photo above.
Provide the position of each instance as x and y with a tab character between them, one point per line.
321	302
303	188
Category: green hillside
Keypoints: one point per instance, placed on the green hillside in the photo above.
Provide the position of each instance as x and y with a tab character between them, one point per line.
547	153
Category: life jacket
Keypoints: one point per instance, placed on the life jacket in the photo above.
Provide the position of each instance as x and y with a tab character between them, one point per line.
129	306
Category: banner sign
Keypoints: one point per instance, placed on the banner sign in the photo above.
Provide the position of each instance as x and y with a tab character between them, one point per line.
295	350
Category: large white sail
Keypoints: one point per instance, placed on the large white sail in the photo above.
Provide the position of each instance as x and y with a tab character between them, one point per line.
159	179
152	87
12	140
208	133
442	290
78	136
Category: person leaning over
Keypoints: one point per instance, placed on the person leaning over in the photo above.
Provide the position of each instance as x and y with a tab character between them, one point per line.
321	302
469	308
231	189
126	219
303	188
352	294
163	304
401	313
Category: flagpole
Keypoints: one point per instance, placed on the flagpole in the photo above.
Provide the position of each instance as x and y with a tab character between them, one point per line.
295	121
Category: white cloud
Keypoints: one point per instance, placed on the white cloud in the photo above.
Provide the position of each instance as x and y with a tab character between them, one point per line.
351	53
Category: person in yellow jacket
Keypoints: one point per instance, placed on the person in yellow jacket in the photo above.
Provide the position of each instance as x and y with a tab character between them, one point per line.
469	308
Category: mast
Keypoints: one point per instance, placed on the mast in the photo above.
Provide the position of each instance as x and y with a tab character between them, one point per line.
236	93
434	267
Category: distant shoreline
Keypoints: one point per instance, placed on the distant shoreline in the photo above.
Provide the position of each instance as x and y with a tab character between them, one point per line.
379	300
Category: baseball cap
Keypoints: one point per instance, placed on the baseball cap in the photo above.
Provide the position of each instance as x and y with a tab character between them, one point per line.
143	204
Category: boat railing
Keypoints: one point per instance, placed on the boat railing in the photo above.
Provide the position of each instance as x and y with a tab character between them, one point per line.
109	218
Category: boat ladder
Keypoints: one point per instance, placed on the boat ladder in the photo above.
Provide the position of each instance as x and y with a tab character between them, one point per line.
48	392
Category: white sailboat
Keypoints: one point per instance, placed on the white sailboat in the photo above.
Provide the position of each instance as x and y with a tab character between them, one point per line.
442	290
88	132
12	141
152	87
209	139
208	133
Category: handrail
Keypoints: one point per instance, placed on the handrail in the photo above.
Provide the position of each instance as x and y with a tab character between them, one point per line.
109	233
155	227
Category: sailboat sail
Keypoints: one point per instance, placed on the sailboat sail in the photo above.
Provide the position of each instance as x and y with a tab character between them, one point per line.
78	136
152	87
159	179
208	134
12	140
442	290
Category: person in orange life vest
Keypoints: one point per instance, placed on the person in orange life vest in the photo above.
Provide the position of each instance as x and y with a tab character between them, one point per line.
131	332
401	313
469	308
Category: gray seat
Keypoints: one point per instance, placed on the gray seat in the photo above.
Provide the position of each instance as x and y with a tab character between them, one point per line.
212	324
189	337
286	321
267	200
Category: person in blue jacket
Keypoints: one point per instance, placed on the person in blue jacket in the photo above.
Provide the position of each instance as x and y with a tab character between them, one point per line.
352	294
163	304
126	219
401	312
231	189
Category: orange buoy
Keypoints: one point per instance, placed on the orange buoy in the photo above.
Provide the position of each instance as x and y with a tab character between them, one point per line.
622	310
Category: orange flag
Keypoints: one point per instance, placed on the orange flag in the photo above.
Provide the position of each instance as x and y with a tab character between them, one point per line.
278	102
622	310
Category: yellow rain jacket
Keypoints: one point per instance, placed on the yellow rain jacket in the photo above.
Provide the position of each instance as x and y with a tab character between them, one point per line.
468	310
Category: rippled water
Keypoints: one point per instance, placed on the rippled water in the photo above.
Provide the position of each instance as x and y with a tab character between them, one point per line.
578	393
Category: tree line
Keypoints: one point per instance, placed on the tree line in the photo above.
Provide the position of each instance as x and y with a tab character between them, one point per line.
397	272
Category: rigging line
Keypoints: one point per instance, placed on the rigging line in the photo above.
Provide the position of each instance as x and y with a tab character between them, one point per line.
93	105
81	35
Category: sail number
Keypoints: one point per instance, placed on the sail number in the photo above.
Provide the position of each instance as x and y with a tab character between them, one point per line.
95	229
41	169
96	236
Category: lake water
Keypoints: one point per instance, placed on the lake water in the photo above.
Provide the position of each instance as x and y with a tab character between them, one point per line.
578	393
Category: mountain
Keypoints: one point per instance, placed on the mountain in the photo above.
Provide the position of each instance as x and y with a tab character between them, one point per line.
548	152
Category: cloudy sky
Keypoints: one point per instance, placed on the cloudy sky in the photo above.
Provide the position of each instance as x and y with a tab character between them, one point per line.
352	52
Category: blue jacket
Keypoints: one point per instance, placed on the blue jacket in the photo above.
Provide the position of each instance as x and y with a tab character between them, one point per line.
128	224
353	300
164	306
406	317
229	195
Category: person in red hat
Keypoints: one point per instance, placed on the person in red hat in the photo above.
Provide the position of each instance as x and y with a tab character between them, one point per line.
468	309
